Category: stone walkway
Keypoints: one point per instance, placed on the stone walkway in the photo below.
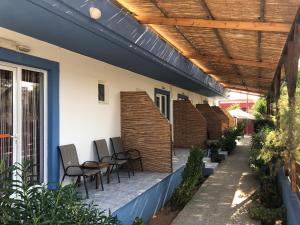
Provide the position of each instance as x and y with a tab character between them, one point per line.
223	198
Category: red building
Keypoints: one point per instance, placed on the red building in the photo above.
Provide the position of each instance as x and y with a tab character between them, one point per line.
241	102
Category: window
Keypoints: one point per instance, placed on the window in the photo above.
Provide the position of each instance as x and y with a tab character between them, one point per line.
162	101
102	92
182	97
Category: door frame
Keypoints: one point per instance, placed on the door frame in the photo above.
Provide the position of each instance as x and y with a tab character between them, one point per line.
52	68
167	94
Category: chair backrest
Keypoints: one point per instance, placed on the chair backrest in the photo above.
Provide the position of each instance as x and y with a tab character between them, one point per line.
117	144
101	148
68	155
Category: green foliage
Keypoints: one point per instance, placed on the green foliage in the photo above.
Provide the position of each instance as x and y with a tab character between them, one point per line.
266	215
214	152
138	221
259	109
261	124
240	128
190	178
193	169
228	140
234	106
22	202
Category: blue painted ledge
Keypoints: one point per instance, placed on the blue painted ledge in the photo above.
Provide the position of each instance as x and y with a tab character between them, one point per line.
147	204
290	200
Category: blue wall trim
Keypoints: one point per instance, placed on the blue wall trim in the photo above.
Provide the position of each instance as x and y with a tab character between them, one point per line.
290	199
166	93
52	68
149	202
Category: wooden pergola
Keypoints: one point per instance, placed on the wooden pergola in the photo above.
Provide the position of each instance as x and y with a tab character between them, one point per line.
239	43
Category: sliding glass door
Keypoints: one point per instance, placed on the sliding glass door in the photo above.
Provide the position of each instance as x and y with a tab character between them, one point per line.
7	77
22	106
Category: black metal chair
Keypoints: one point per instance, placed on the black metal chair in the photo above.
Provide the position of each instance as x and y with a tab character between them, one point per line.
130	155
104	156
72	168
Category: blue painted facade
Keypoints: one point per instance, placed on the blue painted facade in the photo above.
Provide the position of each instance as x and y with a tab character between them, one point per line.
116	38
290	200
53	104
149	202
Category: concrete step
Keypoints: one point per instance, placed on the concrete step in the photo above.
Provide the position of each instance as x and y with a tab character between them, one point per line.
209	167
223	154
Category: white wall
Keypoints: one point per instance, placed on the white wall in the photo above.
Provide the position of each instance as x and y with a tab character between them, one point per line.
82	118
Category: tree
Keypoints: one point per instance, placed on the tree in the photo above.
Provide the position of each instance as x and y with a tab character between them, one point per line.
234	106
259	109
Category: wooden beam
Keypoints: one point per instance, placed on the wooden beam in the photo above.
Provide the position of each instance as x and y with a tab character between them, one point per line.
220	39
218	24
267	65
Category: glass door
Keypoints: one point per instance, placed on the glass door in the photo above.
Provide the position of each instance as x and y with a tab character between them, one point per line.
22	104
7	113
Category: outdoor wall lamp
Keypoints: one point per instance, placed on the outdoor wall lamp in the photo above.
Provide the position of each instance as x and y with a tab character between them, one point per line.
95	13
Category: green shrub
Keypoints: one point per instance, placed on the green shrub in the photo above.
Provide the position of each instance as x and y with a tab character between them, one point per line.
22	202
261	124
214	152
267	215
193	169
181	196
228	140
138	221
190	178
240	128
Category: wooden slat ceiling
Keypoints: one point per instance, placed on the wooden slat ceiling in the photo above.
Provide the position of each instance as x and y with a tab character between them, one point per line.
237	42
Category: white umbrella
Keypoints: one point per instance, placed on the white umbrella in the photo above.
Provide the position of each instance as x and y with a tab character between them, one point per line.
240	114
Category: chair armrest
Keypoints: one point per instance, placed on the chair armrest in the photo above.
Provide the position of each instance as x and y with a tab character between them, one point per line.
134	151
68	167
91	162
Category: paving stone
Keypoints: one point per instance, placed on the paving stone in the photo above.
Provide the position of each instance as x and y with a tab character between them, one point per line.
223	198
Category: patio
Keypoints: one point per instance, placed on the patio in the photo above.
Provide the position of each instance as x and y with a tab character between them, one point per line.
117	195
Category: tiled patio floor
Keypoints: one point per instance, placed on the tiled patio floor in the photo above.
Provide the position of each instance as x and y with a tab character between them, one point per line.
116	195
223	198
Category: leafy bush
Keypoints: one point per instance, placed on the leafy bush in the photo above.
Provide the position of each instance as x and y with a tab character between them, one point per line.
267	215
261	124
22	202
190	178
240	128
193	169
138	221
214	152
228	140
182	195
259	109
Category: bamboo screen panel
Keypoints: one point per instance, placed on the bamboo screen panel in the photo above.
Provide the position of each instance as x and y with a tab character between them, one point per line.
190	127
214	123
144	128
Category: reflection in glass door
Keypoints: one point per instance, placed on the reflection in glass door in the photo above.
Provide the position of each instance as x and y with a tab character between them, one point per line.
22	117
6	114
31	102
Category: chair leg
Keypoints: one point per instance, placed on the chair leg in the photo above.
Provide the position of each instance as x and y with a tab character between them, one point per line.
141	163
132	167
100	175
117	172
86	190
62	180
108	174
